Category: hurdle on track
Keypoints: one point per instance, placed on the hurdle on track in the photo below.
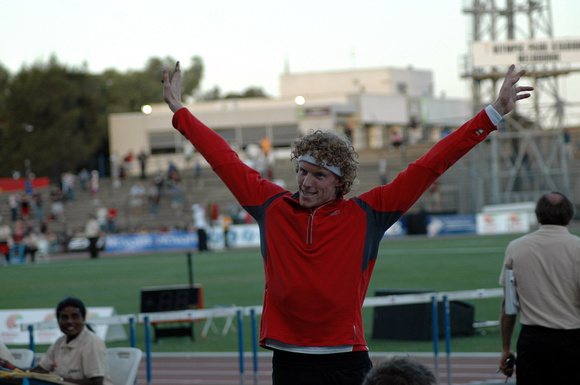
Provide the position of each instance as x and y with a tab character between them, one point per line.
253	311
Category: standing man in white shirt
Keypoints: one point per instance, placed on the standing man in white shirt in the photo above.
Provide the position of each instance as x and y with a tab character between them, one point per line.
92	232
546	268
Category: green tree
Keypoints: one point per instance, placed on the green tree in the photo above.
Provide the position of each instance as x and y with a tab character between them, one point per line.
212	94
4	82
130	91
4	91
53	117
56	117
250	92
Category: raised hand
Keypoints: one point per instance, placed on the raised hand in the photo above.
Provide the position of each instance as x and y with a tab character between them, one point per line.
509	94
172	89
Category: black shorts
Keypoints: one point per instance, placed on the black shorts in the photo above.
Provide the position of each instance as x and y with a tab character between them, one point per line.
320	369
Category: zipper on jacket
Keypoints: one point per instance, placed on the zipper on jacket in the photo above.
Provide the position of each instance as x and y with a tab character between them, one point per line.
310	227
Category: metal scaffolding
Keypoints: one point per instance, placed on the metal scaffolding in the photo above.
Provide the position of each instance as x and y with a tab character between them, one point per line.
527	156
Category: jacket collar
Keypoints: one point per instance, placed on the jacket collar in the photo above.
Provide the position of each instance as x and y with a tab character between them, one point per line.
330	205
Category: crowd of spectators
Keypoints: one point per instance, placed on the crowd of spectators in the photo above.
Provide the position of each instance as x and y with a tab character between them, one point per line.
38	219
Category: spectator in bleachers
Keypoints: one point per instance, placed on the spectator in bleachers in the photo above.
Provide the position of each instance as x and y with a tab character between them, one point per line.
14	204
24	206
159	181
137	195
6	239
68	185
396	138
115	169
153	195
18	234
188	152
84	177
127	165
177	197
348	132
173	175
56	206
38	205
112	220
28	184
142	157
214	212
198	176
383	179
94	183
102	213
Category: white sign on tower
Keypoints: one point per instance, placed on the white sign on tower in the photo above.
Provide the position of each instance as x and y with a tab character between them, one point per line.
521	52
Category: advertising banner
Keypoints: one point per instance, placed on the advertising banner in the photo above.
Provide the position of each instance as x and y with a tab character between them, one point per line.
150	242
396	230
451	224
503	222
11	333
238	236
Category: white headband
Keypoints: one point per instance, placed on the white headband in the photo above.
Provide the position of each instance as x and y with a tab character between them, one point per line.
310	159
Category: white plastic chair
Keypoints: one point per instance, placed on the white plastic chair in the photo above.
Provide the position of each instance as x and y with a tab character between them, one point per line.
124	364
23	358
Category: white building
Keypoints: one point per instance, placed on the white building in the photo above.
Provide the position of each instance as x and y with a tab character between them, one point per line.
370	102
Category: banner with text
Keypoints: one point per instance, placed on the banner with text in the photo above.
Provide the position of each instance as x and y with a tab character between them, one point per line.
151	242
503	222
520	52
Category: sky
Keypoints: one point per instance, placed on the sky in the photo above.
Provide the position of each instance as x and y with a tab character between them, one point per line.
247	43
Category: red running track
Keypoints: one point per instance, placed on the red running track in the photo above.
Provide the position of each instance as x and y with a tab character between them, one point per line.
224	369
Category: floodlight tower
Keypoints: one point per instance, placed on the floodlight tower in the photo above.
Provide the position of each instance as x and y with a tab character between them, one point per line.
527	156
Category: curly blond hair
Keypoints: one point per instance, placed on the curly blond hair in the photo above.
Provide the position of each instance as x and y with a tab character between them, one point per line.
332	149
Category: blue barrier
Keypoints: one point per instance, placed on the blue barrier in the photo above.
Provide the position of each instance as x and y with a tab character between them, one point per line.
31	342
254	344
241	344
447	320
148	347
435	327
132	332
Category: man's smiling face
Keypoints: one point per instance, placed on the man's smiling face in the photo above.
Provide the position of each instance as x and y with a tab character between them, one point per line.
316	185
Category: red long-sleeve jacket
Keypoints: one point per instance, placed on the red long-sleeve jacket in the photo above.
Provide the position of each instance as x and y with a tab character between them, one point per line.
318	262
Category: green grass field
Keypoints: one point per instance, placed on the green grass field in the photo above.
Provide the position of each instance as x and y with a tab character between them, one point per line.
236	277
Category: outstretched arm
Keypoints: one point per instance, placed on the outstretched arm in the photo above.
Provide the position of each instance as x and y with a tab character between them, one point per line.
509	94
172	89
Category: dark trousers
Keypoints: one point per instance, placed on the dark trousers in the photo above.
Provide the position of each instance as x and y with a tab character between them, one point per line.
320	369
93	250
548	356
202	240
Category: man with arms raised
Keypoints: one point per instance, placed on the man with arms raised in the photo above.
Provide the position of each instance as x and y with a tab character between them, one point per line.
318	248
